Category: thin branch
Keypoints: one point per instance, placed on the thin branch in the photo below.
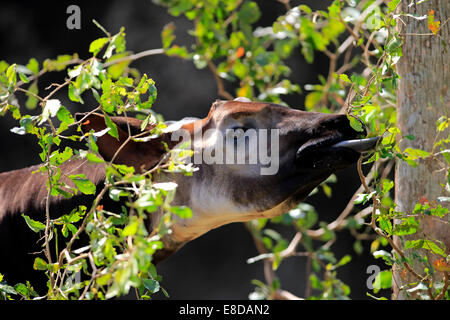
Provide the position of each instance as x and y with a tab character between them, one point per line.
220	86
136	56
30	93
283	295
441	295
286	3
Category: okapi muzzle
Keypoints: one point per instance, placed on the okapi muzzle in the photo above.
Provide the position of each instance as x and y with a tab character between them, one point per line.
299	150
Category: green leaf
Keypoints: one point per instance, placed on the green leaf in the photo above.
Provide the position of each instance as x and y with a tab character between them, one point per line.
61	62
124	169
426	244
346	259
33	65
166	294
104	279
94	158
305	214
182	211
7	289
167	35
392	5
11	75
83	183
125	81
110	124
355	123
239	69
433	247
117	68
385	224
442	123
131	229
305	8
358	247
439	210
344	78
64	115
151	285
74	93
32	101
25	290
97	45
62	192
414	154
414	244
23	77
34	225
334	8
312	99
176	51
307	51
408	226
65	155
40	264
387	185
383	280
276	261
249	12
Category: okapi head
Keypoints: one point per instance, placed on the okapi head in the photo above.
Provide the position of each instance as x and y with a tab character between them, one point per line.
254	160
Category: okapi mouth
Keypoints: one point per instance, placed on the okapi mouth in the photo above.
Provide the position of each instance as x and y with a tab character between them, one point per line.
359	145
333	151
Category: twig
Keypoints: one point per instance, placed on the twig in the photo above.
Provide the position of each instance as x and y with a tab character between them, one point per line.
269	274
136	56
30	93
220	86
286	3
441	295
290	250
232	15
283	295
94	273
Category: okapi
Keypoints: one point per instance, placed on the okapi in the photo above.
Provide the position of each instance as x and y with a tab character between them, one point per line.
311	147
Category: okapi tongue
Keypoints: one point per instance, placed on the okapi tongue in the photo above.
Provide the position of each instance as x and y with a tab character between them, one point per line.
359	145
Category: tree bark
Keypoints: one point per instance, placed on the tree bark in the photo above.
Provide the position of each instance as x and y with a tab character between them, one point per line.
423	97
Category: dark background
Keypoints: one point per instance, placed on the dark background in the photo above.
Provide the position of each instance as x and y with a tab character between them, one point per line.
213	266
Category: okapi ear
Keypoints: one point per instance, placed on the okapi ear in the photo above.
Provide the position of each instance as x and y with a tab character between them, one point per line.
141	155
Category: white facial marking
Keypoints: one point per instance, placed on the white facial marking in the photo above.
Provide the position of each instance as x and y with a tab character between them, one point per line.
242	99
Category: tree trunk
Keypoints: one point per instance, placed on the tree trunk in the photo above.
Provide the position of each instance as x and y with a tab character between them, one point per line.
422	98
